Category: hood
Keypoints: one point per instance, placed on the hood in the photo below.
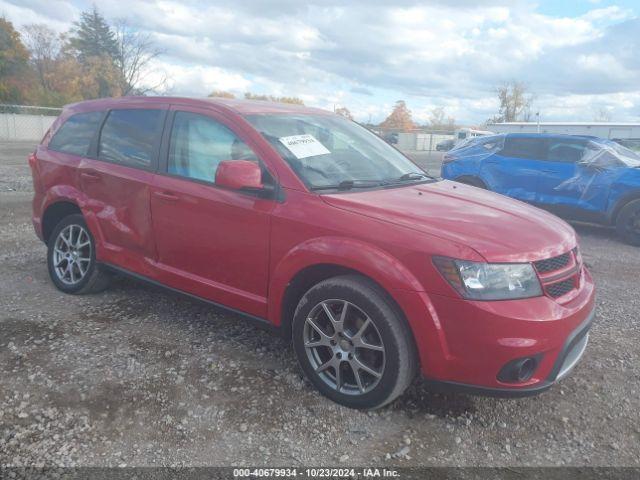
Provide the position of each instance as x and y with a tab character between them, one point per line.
497	227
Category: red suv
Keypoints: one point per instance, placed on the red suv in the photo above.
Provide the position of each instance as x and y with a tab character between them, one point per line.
310	224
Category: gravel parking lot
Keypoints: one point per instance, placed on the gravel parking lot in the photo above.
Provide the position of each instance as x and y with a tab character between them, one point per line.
138	376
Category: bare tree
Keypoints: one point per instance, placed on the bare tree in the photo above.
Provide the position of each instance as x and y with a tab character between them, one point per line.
602	115
438	120
44	45
515	101
136	53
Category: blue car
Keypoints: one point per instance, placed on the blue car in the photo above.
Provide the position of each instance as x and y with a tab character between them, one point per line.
577	177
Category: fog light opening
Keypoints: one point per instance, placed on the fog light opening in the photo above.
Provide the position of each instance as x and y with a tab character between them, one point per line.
519	370
526	369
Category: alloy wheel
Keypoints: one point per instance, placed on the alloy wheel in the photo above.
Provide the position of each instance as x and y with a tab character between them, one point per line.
72	254
344	347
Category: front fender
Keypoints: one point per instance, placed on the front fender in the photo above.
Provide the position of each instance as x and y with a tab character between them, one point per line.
376	264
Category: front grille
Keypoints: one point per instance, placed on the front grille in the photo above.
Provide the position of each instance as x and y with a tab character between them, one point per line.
552	264
558	289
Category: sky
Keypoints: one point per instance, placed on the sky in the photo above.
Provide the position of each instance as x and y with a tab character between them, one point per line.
577	57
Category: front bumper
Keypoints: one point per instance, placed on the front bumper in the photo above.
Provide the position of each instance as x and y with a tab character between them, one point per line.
572	351
463	345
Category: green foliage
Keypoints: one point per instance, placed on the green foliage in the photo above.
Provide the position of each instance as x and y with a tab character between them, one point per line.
93	37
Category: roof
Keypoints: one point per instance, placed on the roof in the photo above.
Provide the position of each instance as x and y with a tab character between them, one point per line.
241	107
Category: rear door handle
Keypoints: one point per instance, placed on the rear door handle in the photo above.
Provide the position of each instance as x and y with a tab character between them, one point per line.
92	177
166	196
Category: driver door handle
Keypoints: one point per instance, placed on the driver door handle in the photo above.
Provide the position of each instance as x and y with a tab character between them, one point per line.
166	196
90	176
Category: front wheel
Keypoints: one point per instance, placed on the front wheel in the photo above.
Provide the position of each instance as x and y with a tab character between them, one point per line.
353	344
71	258
628	223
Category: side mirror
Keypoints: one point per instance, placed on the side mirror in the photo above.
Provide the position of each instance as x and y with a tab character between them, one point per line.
239	175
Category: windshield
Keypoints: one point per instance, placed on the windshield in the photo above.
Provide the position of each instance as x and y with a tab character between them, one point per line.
328	151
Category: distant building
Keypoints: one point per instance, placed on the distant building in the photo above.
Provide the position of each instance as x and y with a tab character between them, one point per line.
597	129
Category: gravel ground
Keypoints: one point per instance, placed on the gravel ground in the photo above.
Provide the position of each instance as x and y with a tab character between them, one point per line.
138	376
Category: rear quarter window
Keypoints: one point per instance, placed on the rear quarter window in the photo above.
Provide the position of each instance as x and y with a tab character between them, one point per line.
131	137
75	135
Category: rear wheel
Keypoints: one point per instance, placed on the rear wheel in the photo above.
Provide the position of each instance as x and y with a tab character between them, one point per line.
628	223
473	181
71	258
352	343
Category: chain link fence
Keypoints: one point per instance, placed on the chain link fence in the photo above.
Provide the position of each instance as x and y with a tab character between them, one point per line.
25	122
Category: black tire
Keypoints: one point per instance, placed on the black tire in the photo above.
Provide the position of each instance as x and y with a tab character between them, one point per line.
628	223
400	363
473	181
95	279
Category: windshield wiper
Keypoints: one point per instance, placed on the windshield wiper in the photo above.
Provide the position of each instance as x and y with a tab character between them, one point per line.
407	177
349	184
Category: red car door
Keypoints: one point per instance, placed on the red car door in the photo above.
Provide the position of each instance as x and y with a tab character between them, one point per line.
117	184
211	242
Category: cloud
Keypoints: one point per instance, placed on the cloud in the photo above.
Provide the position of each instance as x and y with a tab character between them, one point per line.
367	54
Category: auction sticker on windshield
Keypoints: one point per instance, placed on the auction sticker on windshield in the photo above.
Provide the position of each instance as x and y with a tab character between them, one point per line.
303	146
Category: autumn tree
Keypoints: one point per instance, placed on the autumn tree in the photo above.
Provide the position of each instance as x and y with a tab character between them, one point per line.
221	94
439	120
136	52
399	118
13	64
272	98
44	47
515	102
344	112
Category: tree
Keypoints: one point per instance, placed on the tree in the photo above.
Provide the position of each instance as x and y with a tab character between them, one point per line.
344	112
602	115
93	37
514	101
134	60
399	118
272	98
221	94
14	65
438	120
94	44
44	47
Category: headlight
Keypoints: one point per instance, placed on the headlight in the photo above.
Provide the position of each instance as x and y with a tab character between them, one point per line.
490	281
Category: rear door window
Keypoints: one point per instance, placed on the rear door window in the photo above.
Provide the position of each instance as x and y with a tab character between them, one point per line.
566	150
75	135
524	147
130	137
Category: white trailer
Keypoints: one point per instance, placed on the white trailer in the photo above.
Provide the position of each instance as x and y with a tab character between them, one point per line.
463	134
613	131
